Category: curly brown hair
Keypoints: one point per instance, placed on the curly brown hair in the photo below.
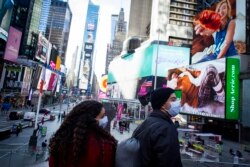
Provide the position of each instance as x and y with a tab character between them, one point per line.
74	130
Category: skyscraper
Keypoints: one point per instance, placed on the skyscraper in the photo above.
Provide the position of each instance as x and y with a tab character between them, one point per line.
88	47
118	35
44	15
58	26
114	20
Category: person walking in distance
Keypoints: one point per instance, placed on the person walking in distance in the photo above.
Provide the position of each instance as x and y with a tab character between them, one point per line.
81	139
159	145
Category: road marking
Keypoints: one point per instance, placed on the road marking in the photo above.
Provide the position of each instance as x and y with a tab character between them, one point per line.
4	155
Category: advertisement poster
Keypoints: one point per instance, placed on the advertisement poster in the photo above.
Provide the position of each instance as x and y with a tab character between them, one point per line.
232	90
219	31
202	88
12	81
42	47
13	45
26	81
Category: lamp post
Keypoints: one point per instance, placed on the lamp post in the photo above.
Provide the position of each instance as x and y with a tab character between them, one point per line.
156	60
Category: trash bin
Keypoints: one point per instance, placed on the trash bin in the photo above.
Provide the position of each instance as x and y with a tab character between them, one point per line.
44	130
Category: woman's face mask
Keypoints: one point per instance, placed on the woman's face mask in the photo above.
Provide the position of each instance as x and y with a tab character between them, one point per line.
103	122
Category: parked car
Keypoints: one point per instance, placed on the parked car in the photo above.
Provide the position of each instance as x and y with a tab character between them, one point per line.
44	111
15	115
29	116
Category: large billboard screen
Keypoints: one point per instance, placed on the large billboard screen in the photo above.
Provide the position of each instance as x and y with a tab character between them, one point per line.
42	48
202	88
168	57
13	45
219	31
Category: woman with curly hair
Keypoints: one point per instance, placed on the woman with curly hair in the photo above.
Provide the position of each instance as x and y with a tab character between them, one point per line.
81	140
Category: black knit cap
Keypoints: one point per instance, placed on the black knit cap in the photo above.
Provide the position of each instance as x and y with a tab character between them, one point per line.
160	96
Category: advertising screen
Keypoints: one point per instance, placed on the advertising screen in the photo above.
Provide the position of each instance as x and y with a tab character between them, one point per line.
219	31
13	45
42	47
169	57
202	88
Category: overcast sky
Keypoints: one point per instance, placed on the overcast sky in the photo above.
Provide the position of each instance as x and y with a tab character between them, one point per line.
79	11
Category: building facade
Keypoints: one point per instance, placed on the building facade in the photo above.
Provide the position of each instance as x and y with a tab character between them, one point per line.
58	26
44	15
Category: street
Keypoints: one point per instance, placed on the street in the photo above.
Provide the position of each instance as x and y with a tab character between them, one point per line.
14	151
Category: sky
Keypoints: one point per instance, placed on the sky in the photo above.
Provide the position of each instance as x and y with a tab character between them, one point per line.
79	12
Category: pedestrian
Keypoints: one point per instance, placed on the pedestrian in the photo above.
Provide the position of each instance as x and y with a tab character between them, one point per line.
81	139
159	145
44	144
42	121
17	130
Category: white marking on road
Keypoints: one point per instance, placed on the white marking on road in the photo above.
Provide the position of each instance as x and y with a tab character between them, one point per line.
4	155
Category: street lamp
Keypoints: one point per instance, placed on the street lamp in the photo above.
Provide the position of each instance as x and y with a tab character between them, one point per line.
156	60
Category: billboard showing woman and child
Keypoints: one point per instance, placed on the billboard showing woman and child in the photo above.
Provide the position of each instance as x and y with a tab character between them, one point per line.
219	31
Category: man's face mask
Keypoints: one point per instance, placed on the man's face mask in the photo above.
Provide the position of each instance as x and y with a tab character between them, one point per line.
175	108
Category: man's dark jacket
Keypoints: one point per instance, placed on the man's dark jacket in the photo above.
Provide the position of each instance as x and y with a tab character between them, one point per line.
159	146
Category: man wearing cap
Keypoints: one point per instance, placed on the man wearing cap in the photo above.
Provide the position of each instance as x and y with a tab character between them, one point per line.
159	146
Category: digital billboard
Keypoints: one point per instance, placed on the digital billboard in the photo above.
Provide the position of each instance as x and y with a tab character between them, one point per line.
202	88
42	48
13	45
219	31
169	57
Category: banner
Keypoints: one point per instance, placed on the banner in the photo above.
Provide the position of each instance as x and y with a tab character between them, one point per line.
26	82
232	89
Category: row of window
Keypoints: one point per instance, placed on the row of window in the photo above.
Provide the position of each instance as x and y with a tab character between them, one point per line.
182	17
183	5
182	11
180	23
